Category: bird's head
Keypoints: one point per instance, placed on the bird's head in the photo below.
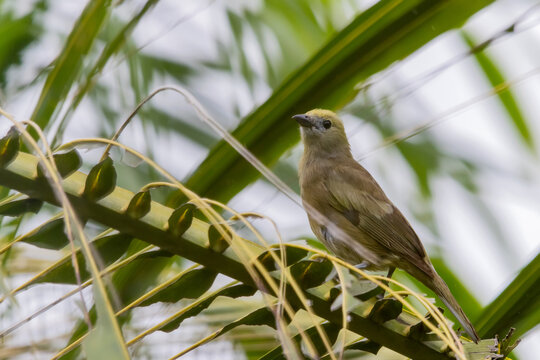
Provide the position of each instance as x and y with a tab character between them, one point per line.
322	130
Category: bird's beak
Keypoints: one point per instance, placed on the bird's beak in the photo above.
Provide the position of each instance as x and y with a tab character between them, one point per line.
304	120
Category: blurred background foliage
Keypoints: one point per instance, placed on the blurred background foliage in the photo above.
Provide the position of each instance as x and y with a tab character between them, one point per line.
447	121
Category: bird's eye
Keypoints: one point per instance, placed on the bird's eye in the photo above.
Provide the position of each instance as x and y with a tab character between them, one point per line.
327	124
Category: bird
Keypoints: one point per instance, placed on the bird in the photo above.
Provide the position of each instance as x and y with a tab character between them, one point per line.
349	212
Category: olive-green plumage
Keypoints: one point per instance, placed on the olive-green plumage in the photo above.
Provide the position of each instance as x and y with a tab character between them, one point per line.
349	212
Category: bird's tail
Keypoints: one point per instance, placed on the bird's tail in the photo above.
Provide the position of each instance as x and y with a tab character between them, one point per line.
437	284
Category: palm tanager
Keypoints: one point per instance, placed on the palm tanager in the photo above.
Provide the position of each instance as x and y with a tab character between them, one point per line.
349	212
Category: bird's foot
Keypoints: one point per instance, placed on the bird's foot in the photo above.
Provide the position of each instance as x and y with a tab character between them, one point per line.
363	265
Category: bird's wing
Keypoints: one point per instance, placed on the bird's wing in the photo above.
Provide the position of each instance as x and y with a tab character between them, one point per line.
355	193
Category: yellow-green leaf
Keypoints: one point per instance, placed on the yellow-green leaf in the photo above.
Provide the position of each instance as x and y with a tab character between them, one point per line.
66	163
218	243
101	180
9	146
181	219
311	273
385	309
139	205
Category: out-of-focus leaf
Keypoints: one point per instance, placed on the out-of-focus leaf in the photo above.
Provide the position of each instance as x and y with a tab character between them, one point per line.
130	282
385	33
69	62
422	154
15	36
190	286
236	25
81	329
20	207
105	340
163	66
506	96
517	306
287	173
101	180
300	31
255	25
113	47
424	158
234	292
100	95
169	123
49	236
495	227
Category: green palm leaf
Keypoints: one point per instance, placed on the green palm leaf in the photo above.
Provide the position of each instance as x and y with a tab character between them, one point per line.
382	35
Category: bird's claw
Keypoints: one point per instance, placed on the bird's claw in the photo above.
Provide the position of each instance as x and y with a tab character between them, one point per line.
363	265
